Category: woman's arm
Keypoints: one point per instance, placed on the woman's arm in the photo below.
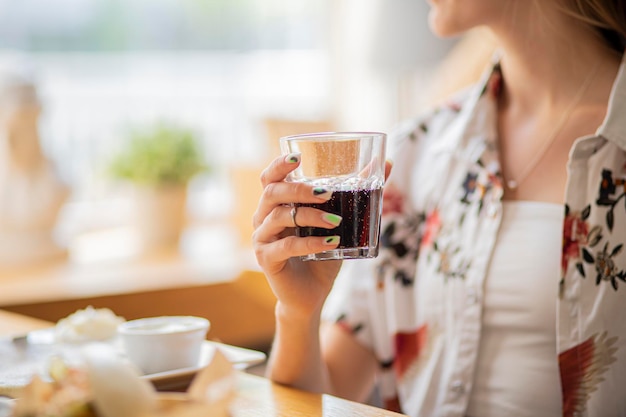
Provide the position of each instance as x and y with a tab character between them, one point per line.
320	358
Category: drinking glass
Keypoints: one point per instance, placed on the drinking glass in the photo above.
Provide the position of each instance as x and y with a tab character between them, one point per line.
352	166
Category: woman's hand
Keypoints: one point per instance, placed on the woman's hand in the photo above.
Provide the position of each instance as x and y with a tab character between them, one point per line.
301	287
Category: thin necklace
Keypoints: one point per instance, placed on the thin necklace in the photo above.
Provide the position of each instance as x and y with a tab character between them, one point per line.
511	183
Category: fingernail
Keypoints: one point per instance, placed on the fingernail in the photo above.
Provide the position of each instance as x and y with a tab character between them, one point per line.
331	240
292	158
322	193
332	219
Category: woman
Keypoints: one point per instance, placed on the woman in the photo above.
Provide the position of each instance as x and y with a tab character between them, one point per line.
502	276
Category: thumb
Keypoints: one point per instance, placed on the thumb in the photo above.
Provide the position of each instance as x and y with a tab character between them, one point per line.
388	166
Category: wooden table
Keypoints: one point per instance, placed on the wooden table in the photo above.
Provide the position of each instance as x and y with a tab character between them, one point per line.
256	396
237	300
259	397
12	324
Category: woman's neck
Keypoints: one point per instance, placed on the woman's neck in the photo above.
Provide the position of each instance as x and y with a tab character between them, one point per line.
557	78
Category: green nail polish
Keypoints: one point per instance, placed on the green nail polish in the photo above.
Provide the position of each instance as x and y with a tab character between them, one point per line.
331	240
321	192
292	158
332	218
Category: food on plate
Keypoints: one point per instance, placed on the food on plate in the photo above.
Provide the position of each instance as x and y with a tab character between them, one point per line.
117	389
102	385
98	383
90	324
67	395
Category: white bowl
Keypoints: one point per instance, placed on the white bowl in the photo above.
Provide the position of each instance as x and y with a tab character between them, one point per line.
159	344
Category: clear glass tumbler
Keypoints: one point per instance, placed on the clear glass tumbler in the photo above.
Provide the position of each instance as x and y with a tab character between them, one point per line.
352	165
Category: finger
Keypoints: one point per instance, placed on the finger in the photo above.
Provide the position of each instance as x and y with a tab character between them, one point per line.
368	170
281	218
388	166
291	246
311	217
279	168
283	193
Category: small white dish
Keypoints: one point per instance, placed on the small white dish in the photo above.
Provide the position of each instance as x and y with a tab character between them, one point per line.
241	358
159	344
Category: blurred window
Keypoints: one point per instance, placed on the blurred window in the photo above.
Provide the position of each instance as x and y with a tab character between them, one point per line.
217	66
135	25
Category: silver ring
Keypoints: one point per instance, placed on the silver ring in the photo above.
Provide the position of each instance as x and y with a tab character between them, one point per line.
293	212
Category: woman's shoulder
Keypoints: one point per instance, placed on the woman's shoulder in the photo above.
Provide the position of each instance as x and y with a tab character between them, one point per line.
457	106
431	121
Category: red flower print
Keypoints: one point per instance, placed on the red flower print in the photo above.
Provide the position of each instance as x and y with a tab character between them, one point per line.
573	364
581	368
393	404
408	349
432	225
495	180
393	200
343	324
575	233
454	106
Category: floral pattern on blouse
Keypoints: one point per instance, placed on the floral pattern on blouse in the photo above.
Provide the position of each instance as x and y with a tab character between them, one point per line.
442	210
582	243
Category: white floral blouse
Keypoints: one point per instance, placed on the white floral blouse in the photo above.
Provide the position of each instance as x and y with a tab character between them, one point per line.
418	305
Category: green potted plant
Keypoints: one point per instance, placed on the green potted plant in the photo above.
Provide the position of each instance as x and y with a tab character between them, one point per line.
159	161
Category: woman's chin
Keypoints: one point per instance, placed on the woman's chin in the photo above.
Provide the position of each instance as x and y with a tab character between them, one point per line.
442	28
447	18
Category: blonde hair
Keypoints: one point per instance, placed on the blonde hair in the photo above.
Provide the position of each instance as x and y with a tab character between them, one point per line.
472	53
608	17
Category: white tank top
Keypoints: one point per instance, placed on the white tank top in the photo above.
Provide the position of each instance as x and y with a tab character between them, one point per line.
517	371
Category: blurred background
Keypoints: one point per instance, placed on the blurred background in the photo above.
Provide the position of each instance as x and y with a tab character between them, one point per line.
229	75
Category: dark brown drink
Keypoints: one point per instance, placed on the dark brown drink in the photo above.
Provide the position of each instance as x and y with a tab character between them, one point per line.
360	227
